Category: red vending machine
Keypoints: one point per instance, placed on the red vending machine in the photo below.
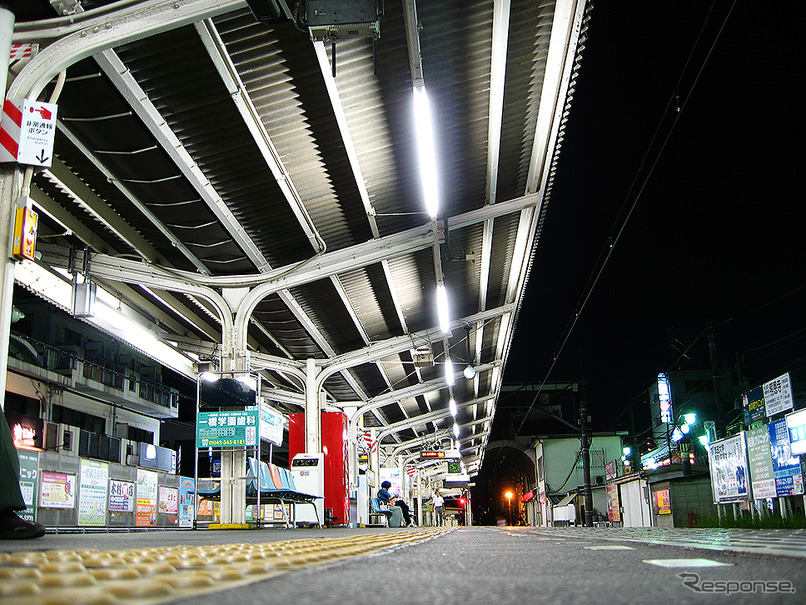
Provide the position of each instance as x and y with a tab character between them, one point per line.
334	447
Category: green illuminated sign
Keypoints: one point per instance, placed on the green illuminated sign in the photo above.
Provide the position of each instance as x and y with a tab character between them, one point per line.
227	429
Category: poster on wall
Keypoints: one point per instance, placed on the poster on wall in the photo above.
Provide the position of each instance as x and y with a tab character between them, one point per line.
663	502
186	497
785	466
205	508
759	458
146	512
392	475
92	493
728	461
279	512
29	469
57	490
168	500
613	506
121	496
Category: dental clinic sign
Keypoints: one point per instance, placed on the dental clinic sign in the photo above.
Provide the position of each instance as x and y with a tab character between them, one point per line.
234	428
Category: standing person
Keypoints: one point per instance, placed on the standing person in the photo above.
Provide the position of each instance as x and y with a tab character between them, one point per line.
11	500
439	502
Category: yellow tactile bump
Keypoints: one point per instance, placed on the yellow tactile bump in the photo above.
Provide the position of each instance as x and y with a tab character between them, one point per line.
152	576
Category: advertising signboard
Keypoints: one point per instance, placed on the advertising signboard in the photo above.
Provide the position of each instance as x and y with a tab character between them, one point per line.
785	466
121	496
778	395
227	429
728	461
186	493
29	469
753	406
57	490
168	500
759	458
92	493
146	511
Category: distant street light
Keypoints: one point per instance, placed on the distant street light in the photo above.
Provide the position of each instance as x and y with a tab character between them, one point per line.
509	506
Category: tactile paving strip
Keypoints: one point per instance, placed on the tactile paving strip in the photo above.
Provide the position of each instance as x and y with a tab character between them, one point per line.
165	574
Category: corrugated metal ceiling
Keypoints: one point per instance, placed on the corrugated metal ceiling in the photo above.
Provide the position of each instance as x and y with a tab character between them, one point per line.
221	144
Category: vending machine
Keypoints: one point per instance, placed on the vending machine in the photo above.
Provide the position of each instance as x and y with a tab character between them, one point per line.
308	471
336	470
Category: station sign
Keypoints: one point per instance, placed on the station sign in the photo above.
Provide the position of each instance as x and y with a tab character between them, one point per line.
447	454
432	454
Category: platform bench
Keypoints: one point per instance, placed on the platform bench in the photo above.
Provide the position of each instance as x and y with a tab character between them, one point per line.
275	484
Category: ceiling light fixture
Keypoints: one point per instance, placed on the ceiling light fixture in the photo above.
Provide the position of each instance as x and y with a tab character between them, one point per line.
452	407
449	372
442	308
425	149
469	372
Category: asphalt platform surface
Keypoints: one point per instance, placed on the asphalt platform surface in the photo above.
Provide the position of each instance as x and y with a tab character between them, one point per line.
497	565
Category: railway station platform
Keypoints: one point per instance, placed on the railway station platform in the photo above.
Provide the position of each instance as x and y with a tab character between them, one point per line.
414	565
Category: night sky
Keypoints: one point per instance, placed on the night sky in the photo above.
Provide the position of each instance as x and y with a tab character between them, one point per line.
716	232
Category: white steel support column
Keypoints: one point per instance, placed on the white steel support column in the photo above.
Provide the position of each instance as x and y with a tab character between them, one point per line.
7	206
375	457
233	462
419	499
352	451
313	432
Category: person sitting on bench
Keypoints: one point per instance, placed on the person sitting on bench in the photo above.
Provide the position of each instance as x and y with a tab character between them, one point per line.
396	516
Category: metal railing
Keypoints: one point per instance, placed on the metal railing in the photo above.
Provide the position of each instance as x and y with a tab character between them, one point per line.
68	358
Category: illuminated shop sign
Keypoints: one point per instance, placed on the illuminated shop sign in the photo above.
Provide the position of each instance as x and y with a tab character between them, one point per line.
665	397
796	425
27	432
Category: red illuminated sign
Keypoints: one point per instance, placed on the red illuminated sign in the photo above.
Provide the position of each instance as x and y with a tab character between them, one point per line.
431	454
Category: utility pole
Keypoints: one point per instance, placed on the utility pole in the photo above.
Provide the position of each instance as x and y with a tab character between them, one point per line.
720	430
586	460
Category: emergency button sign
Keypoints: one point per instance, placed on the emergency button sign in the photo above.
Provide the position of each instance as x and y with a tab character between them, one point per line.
37	133
28	132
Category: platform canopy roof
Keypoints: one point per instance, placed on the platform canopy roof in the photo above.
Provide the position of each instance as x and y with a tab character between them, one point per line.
210	160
